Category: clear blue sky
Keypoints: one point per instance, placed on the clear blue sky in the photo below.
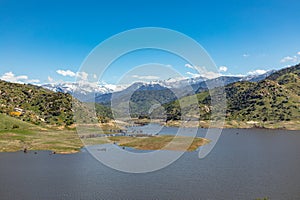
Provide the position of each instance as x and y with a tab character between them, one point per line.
37	38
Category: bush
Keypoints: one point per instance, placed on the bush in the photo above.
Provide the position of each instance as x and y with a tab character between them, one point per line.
15	126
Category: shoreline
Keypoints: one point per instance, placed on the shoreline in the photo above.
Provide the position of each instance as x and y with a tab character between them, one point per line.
161	142
68	142
290	126
272	125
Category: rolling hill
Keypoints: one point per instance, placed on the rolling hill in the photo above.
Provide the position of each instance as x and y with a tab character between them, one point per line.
35	104
275	98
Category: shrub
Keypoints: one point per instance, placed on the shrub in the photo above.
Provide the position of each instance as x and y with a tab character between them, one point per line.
15	126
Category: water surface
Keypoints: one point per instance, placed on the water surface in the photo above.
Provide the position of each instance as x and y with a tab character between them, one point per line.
248	165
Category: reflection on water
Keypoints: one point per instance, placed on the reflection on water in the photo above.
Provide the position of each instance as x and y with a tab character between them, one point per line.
245	164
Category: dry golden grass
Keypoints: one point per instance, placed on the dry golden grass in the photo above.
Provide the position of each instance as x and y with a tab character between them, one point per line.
165	142
53	140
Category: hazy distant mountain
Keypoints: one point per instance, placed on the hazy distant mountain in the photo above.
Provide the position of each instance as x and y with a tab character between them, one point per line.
102	93
142	96
185	86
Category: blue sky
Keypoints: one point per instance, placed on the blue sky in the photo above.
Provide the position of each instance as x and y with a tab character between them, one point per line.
41	41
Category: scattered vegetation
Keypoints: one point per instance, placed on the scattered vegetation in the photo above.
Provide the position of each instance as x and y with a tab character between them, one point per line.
273	100
36	105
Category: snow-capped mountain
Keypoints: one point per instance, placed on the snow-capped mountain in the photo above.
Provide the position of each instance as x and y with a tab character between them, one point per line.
258	77
83	90
179	82
86	91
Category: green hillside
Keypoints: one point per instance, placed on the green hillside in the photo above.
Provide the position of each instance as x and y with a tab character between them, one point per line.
35	104
275	99
39	106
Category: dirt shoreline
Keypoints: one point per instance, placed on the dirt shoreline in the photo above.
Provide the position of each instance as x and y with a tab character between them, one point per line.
290	125
67	142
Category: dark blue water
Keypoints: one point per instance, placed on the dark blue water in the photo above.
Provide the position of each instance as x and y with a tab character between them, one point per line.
251	164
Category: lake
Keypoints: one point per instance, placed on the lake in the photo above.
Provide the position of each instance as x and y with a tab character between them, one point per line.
254	163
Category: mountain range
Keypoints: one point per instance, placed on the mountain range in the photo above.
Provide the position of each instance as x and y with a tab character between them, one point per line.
142	96
101	93
274	96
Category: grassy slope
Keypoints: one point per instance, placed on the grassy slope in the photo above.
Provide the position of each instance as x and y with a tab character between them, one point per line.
8	123
16	135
